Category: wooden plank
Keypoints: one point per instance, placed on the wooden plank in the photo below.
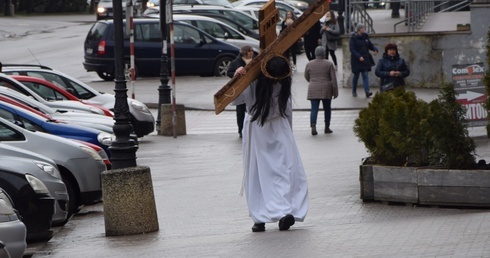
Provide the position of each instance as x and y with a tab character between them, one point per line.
285	40
268	17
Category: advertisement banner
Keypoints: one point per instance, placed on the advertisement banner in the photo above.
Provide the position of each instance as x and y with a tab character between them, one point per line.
468	83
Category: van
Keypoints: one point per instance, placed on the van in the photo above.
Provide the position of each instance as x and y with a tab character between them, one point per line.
196	52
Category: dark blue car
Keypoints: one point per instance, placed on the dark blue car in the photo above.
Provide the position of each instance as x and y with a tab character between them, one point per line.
196	52
34	122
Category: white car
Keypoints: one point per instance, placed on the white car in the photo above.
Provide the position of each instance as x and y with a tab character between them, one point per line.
279	4
102	123
219	30
141	117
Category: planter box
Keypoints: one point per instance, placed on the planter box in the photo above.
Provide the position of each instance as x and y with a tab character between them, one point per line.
425	186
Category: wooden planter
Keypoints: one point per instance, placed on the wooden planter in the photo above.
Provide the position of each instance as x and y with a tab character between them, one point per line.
425	186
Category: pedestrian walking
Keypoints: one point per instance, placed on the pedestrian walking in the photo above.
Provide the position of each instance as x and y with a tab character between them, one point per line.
291	52
322	87
361	59
311	39
274	179
330	36
244	57
391	69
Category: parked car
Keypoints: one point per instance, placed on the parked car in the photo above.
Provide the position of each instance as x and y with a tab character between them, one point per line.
301	5
41	167
279	4
62	106
32	200
79	164
98	122
219	30
35	122
196	52
155	12
51	92
141	117
237	15
224	3
105	10
12	230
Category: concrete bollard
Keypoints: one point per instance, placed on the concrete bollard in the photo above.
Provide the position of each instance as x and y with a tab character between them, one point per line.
129	202
166	126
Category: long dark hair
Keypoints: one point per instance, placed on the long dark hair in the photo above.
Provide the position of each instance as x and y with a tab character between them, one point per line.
277	67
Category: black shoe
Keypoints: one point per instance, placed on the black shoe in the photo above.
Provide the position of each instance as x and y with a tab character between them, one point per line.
240	135
368	94
327	130
286	222
258	227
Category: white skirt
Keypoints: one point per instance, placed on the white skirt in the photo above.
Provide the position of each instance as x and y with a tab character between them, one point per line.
274	177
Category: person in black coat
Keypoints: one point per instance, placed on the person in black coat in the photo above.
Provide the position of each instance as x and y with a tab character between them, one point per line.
311	39
392	68
360	59
244	57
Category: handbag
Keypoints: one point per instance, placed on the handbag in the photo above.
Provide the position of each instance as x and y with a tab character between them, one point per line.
387	86
332	36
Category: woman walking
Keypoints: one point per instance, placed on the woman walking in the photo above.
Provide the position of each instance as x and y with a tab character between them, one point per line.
274	178
320	74
360	59
330	29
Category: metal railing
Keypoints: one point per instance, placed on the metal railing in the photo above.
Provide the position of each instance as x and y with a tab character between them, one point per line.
417	11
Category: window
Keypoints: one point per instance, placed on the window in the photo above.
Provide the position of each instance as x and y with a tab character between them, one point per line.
45	92
9	134
149	32
186	35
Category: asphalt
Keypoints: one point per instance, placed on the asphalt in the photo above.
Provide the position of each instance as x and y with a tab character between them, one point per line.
197	177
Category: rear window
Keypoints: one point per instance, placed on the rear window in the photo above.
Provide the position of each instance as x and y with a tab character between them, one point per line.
97	32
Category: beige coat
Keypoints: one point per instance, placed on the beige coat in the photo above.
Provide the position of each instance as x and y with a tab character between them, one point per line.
321	75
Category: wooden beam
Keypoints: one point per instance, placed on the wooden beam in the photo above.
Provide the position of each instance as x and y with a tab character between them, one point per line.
285	40
268	17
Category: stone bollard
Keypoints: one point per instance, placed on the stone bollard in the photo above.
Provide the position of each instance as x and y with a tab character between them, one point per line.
129	202
166	126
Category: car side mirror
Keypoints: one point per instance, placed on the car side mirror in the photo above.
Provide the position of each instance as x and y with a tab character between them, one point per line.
226	35
18	123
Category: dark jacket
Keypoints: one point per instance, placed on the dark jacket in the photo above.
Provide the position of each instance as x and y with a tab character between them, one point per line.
360	45
392	63
234	65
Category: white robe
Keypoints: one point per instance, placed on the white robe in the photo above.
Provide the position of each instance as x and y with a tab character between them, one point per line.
274	177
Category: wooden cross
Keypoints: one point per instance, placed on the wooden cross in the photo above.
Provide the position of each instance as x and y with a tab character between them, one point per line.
279	45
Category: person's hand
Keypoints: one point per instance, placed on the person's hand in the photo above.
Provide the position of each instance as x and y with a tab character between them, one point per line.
240	71
361	59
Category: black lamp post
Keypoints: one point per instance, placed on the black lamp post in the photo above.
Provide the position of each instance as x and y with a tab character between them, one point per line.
164	90
123	149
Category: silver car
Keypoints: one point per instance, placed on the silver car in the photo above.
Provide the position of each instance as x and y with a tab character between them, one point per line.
80	166
41	167
141	118
75	106
220	30
12	230
102	123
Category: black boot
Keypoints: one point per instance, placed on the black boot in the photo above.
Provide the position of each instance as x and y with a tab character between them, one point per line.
258	227
313	129
327	130
286	222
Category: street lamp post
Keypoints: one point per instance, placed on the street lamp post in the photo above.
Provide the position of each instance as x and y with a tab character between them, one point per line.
164	90
123	149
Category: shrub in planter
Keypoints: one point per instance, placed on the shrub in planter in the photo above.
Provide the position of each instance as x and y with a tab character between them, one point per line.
400	130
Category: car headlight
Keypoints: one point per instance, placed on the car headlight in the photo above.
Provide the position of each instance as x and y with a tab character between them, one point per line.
101	10
48	169
90	152
150	4
139	106
37	185
105	138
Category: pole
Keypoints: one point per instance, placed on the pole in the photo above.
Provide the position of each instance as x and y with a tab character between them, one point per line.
132	69
172	68
123	148
164	89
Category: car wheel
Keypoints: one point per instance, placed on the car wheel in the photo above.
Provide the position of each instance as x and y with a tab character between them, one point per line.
106	76
73	196
221	66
